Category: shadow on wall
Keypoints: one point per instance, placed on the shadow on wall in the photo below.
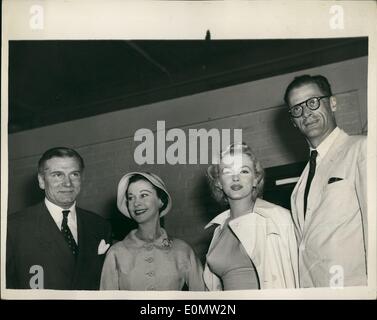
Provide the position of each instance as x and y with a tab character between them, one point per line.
292	141
31	192
295	146
208	208
207	204
120	224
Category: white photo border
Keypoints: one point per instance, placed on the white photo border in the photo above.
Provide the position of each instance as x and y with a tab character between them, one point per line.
155	20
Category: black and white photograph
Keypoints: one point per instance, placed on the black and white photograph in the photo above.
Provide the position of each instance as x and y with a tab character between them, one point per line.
204	155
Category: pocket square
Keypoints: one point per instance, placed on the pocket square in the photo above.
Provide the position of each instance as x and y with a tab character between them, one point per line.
334	179
103	246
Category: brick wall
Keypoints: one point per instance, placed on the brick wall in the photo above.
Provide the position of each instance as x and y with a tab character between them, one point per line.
107	145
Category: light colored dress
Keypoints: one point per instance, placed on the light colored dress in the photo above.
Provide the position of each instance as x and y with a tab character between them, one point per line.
162	264
230	262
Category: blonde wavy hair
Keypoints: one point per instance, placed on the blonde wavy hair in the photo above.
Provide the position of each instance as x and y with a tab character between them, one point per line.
213	173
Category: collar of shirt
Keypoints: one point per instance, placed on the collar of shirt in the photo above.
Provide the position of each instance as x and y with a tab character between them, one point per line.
162	241
56	214
220	219
264	214
261	208
325	145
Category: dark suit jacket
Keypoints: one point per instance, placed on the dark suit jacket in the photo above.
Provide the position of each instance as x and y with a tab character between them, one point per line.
33	238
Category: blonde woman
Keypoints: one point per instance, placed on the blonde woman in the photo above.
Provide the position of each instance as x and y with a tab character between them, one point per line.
147	258
253	246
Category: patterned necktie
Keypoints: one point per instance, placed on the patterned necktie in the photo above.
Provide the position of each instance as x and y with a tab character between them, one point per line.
312	164
68	234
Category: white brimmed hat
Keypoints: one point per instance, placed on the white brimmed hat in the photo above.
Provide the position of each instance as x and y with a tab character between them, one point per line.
123	186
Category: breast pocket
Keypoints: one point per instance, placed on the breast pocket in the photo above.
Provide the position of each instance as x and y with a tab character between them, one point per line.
339	190
340	197
172	271
337	207
125	265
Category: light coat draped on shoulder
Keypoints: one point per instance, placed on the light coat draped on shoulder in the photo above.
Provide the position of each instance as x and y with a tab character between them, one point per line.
267	234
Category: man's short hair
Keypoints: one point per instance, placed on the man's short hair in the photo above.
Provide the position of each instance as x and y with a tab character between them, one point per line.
321	81
59	152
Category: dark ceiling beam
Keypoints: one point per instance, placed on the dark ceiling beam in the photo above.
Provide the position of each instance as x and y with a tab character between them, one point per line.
200	83
323	54
194	79
146	55
195	82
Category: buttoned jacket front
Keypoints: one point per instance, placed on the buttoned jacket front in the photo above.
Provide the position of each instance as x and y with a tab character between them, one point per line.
163	264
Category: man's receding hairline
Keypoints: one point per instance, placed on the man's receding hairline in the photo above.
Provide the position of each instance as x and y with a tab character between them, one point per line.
62	157
298	86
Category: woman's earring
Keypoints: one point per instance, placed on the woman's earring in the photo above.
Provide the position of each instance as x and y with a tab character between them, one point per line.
254	186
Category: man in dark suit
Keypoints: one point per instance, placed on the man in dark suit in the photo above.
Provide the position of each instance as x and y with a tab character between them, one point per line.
329	202
55	244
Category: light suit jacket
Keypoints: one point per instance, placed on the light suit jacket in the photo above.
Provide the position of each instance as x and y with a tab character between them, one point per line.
332	238
267	234
163	264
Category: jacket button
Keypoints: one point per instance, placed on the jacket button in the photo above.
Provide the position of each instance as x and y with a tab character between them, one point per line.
149	259
149	247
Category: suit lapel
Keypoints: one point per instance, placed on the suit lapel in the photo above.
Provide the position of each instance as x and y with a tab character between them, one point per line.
215	236
322	174
87	242
219	221
82	240
296	208
53	243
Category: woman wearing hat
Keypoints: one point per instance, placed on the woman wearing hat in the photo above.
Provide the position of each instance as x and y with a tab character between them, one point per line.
147	258
254	245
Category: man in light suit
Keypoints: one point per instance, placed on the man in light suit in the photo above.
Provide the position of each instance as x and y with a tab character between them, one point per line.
329	206
55	244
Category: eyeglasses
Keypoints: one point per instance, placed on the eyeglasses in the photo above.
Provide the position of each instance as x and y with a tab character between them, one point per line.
312	103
